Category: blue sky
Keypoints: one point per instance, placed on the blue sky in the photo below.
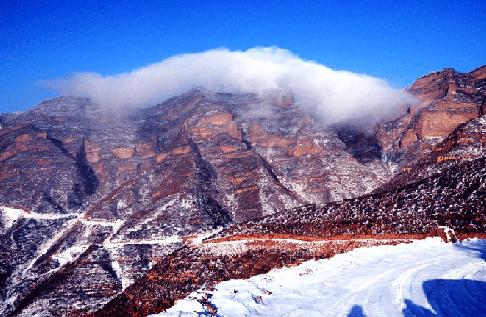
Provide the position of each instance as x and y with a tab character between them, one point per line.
395	40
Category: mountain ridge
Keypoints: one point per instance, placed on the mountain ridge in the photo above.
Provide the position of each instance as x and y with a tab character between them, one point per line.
95	201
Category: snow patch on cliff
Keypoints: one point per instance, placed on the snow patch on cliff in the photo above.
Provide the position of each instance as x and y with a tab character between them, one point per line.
10	216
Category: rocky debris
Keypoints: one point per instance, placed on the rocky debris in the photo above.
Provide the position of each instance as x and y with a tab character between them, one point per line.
452	198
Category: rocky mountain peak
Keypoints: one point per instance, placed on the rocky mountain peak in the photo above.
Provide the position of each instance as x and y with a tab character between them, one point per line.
447	99
93	199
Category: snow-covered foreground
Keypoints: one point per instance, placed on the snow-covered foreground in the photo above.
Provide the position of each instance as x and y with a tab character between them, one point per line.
424	278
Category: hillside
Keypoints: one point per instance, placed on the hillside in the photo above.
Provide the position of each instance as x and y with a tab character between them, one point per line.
124	212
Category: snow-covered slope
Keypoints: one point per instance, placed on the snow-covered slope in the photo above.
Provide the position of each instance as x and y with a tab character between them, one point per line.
424	278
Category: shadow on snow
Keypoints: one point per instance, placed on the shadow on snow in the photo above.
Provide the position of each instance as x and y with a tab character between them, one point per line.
458	298
450	298
478	246
356	311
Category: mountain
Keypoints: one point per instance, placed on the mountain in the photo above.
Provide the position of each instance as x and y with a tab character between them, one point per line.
128	210
447	100
76	176
456	103
450	204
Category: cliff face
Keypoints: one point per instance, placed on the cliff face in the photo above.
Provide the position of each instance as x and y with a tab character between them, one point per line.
91	199
245	156
447	127
447	100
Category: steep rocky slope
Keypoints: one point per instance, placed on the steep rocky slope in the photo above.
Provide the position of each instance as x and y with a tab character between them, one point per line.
93	200
451	199
448	126
447	100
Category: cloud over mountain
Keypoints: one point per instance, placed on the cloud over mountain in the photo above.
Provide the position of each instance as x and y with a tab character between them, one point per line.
334	95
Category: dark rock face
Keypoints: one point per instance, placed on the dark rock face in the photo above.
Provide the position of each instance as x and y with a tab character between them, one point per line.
93	201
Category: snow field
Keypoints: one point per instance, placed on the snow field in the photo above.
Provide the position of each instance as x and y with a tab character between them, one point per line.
424	278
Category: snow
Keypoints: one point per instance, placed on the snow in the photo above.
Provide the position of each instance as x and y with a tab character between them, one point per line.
115	225
119	273
168	240
11	215
234	247
424	278
199	238
46	246
69	255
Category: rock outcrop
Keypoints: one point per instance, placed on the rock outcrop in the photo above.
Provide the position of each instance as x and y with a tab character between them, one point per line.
447	100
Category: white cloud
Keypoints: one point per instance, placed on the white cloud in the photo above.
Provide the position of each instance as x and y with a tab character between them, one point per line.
334	95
